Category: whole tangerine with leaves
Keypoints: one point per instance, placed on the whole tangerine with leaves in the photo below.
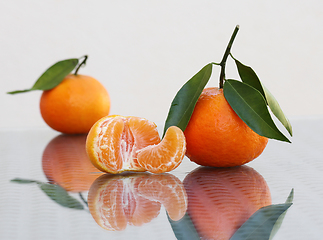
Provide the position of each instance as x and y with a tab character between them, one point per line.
116	144
217	137
74	105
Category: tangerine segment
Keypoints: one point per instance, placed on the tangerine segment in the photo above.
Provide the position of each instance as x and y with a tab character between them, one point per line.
168	190
114	202
113	142
103	197
166	155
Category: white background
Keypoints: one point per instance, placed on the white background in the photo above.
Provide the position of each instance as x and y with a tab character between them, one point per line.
143	51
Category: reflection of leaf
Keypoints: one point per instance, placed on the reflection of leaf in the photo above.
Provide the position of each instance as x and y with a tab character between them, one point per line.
248	75
290	197
251	107
281	217
60	196
184	102
23	181
184	228
264	223
54	192
52	76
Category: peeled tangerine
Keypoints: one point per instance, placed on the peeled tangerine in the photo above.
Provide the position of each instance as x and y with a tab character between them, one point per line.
116	144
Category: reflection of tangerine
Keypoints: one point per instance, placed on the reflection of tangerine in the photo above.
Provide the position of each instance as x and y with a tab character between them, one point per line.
75	104
220	200
65	162
117	200
116	144
216	136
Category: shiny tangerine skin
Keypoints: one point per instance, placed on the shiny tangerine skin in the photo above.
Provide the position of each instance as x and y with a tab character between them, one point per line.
217	137
75	104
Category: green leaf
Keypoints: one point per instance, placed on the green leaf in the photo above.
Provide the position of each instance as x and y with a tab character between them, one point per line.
52	76
277	111
184	102
263	223
60	196
251	107
20	91
184	228
248	75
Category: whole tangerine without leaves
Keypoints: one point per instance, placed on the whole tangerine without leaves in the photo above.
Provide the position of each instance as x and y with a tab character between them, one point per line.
216	136
73	106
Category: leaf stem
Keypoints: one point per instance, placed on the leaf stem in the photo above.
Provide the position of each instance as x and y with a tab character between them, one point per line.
82	63
225	56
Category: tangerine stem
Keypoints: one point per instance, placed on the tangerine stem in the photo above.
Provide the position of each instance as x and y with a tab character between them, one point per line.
82	63
225	56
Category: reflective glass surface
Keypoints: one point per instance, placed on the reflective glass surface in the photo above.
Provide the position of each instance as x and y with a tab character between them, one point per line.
50	190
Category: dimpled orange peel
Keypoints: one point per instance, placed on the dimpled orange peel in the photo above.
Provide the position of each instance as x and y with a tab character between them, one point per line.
217	137
116	144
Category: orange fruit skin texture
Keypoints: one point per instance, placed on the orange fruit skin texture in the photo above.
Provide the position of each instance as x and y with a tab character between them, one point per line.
66	163
116	201
75	104
116	144
216	136
220	200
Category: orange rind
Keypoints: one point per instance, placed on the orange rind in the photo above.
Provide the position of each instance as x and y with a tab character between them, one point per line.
217	137
73	106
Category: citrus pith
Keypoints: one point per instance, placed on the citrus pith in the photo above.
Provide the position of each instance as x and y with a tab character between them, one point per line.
116	201
116	144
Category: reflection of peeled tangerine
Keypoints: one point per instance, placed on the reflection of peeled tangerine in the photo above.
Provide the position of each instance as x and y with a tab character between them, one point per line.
66	163
117	200
220	200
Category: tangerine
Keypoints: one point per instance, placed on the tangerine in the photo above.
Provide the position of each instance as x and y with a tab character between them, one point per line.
216	136
75	104
116	201
117	143
220	200
65	163
166	189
